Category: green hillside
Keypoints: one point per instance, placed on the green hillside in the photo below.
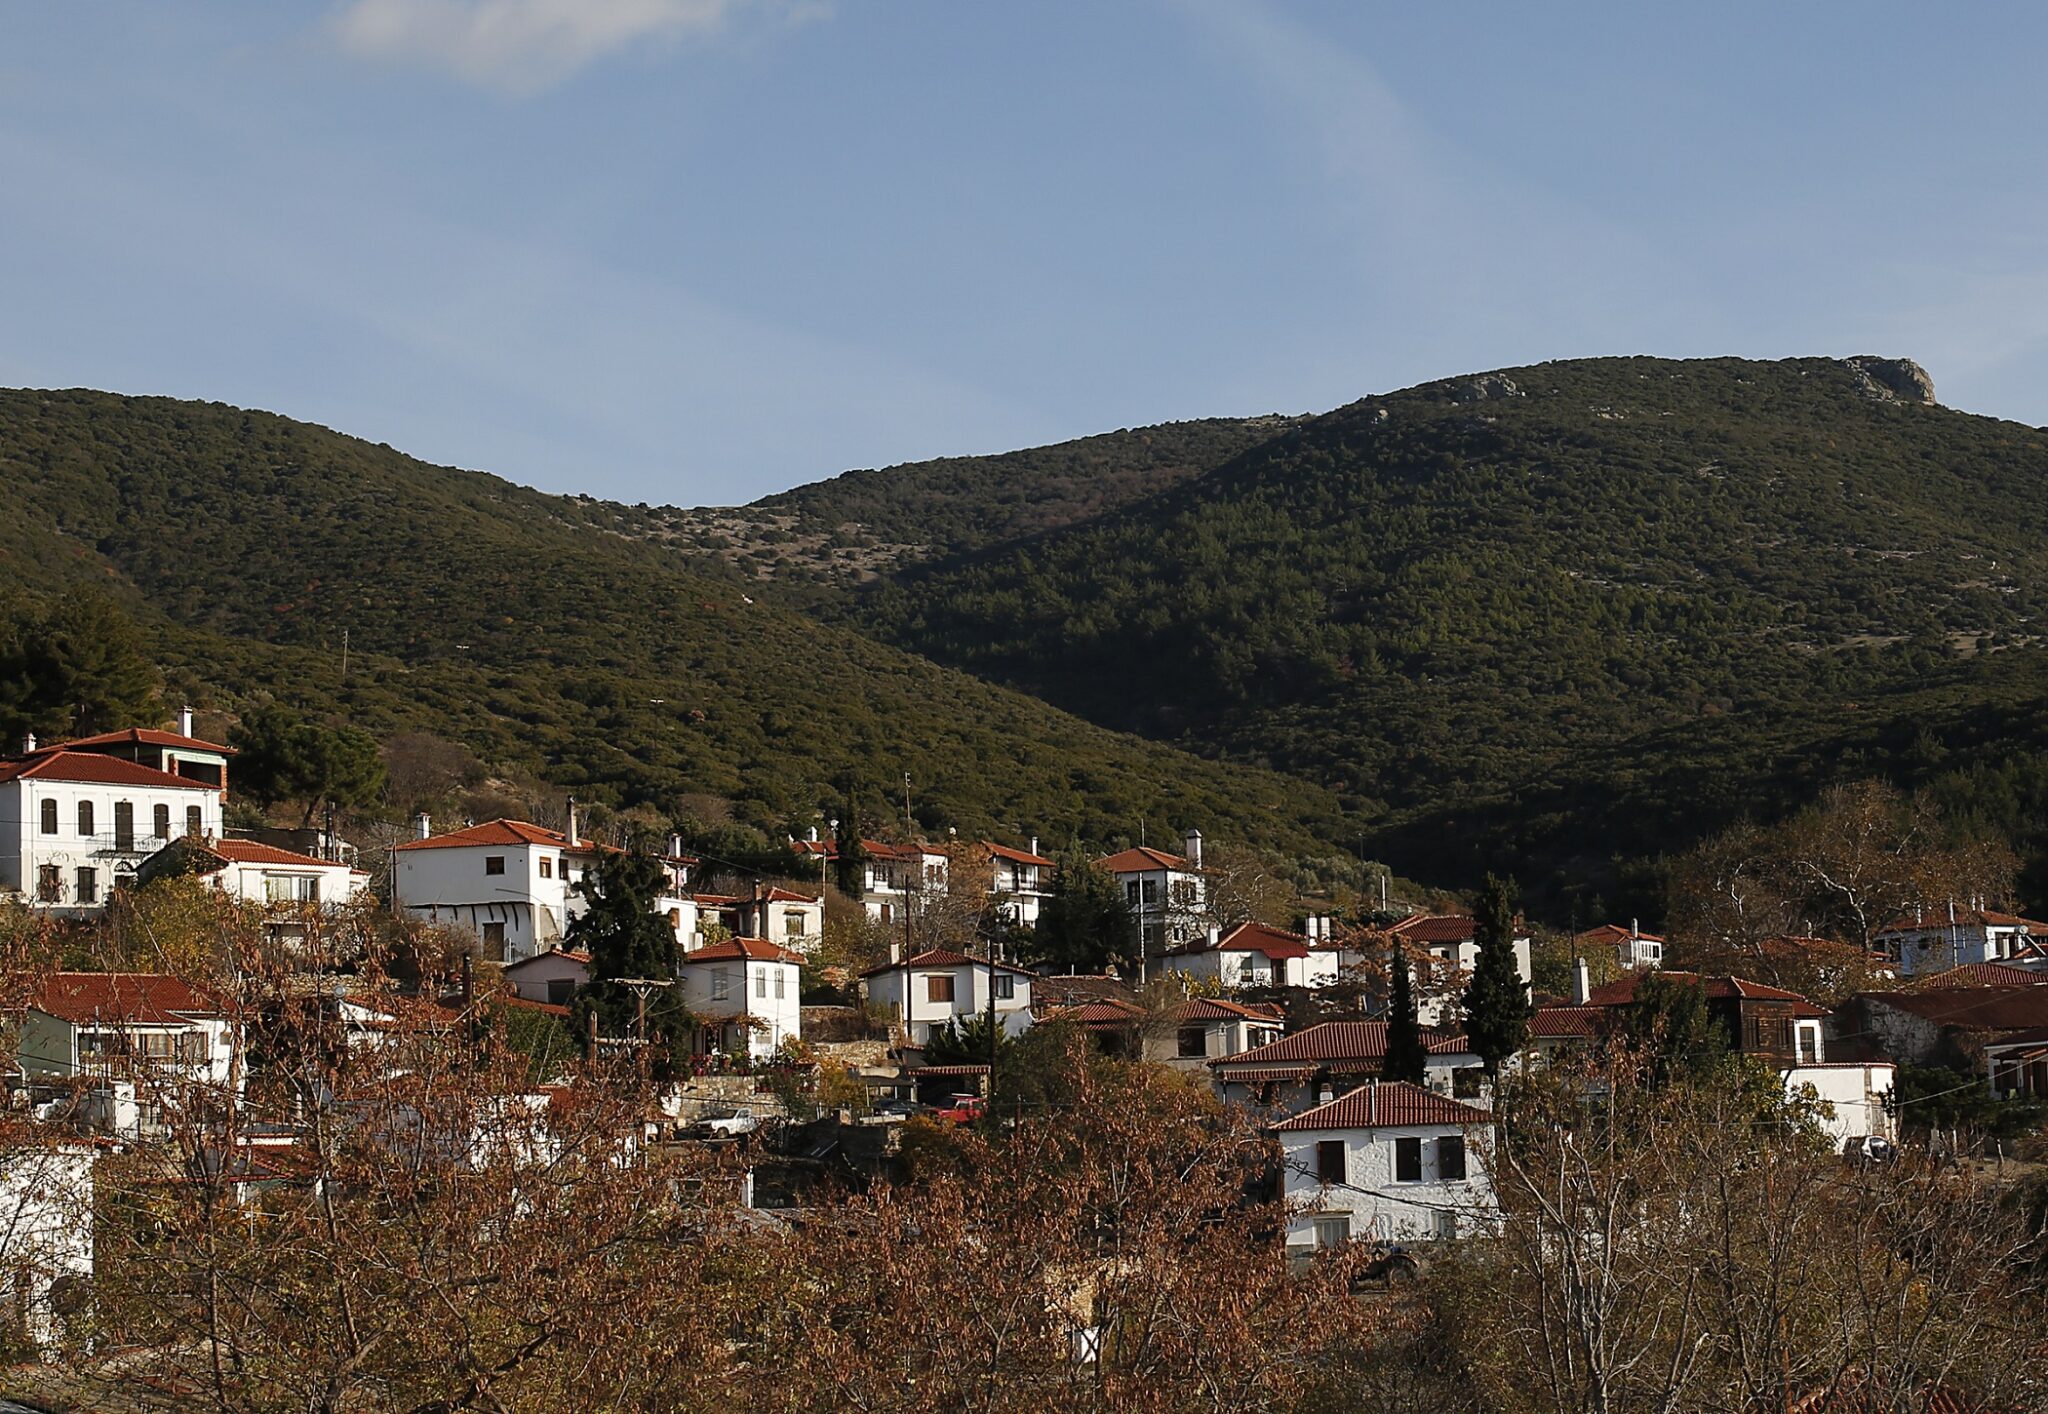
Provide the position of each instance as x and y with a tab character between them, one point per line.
864	524
1552	619
521	624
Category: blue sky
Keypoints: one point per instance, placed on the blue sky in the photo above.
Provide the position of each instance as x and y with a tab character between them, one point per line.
694	251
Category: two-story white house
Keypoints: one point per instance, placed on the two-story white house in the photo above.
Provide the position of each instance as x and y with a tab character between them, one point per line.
939	988
1936	940
747	992
75	823
1452	943
512	883
156	1046
1202	1029
1167	892
781	916
1631	946
1254	955
1020	881
175	753
292	889
1388	1161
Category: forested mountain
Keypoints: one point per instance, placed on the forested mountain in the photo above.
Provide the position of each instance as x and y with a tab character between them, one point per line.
246	544
864	524
1551	618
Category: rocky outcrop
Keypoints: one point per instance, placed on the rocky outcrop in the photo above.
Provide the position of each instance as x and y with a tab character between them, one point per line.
1892	379
1486	388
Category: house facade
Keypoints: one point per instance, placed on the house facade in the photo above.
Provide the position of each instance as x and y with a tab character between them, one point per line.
1254	955
940	988
1631	946
747	992
1937	940
1451	942
73	824
1389	1162
553	976
152	1047
1205	1029
1315	1065
1020	881
1167	893
292	889
512	884
781	916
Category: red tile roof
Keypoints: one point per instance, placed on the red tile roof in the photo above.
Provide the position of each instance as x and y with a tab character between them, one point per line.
1567	1022
1608	934
570	954
255	852
1102	1015
1275	943
1622	991
1217	1009
1337	1041
1018	856
1972	1008
1436	928
751	949
148	736
1981	974
943	957
1938	921
147	997
1144	859
512	833
92	768
1387	1104
781	895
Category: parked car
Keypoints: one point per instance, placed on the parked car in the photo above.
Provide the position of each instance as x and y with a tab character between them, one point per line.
1869	1151
731	1125
963	1109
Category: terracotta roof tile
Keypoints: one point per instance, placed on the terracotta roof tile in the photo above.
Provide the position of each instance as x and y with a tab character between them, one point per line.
944	957
95	769
1980	974
1337	1041
1017	856
1143	859
1275	943
752	949
508	833
1386	1104
148	997
148	736
1622	991
256	852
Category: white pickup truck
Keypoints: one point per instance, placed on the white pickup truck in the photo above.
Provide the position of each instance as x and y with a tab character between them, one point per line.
740	1121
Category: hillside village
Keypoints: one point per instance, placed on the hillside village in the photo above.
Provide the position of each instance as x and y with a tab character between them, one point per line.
809	1034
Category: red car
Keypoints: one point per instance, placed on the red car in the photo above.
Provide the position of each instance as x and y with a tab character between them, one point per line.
963	1109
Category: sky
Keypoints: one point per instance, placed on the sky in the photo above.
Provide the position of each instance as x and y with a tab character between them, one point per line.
695	251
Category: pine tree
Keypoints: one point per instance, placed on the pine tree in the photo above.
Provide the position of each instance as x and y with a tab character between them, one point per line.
1497	1007
626	938
78	668
1085	924
1406	1058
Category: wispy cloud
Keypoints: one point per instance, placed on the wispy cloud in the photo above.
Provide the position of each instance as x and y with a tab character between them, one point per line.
521	46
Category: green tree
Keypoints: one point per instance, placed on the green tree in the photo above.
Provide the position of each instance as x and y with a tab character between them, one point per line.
626	938
1085	925
284	757
848	853
1497	1007
967	1042
77	669
1406	1057
1669	1023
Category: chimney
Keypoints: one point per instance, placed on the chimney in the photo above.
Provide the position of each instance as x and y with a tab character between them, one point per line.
1582	982
185	721
1372	1102
570	834
814	834
28	744
675	846
1192	845
1634	930
1324	1095
1034	845
422	827
1215	935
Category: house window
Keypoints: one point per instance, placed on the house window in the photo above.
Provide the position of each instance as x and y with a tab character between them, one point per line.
939	988
1450	1157
1131	892
793	924
88	886
761	983
49	817
1151	891
1005	985
194	821
494	864
1465	1081
85	817
494	937
163	822
124	824
1330	1161
1331	1230
1408	1160
561	991
1194	1041
1809	1045
781	980
547	867
721	985
49	884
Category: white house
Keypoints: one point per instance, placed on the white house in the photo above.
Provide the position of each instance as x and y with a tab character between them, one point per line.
46	1224
289	887
75	823
1937	940
751	989
553	976
1452	942
1852	1093
1389	1161
938	988
1167	892
781	916
1202	1029
1254	955
1631	946
158	1034
1321	1062
177	753
1020	880
512	883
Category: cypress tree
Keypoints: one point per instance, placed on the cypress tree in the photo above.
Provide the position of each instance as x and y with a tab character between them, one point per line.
625	937
849	856
1406	1057
1497	1007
